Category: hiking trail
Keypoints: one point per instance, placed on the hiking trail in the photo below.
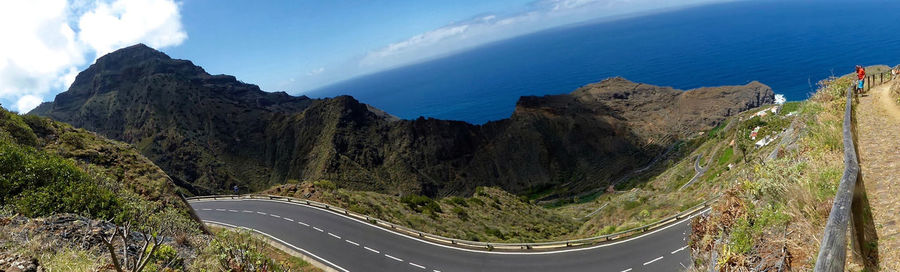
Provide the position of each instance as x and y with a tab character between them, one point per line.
878	136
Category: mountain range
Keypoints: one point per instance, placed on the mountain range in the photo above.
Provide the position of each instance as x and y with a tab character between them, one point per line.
211	132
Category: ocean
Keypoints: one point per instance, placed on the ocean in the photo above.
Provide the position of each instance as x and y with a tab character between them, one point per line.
788	45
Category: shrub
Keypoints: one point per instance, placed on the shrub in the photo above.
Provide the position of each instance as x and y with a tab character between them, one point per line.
494	232
325	184
461	213
239	251
20	131
421	204
458	201
476	201
73	139
38	184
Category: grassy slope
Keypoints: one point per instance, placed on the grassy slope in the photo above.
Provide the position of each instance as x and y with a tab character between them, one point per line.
48	167
491	214
780	206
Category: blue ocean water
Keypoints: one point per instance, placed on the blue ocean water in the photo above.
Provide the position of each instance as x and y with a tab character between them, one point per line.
788	45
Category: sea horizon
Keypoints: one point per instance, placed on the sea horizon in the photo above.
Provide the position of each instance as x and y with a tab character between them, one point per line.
711	45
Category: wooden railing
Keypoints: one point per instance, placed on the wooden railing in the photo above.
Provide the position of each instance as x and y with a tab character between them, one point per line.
833	250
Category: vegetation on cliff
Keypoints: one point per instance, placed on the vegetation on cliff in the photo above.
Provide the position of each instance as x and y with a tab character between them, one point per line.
63	191
774	210
211	132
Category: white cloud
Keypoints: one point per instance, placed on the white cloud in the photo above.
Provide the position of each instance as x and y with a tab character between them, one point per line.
111	26
314	72
46	42
424	39
27	102
540	15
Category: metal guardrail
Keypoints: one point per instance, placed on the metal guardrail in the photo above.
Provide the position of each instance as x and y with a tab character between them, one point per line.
833	250
474	244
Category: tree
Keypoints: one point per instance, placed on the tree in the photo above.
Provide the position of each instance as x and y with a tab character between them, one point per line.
152	226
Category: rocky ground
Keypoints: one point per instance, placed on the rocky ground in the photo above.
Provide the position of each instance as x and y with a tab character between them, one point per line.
878	129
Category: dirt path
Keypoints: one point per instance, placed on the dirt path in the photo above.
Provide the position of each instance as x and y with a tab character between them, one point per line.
878	132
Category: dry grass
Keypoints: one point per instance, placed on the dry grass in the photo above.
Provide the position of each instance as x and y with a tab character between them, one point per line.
208	258
495	215
780	206
490	214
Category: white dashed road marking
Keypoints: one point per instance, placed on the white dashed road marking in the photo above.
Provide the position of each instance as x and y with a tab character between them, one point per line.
206	209
651	261
320	230
352	243
680	249
392	257
335	236
416	265
301	223
626	270
288	219
276	216
221	210
246	211
232	211
261	213
372	250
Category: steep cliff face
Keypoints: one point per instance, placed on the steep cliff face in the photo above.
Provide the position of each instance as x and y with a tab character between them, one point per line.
211	132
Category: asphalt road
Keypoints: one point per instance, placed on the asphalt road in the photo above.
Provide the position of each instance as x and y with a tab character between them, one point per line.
348	244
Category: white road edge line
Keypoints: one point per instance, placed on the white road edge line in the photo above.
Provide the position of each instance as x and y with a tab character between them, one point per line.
680	249
626	270
333	235
416	265
285	243
372	250
466	249
651	261
352	242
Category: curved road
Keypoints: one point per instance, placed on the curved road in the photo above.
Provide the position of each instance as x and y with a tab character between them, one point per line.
348	244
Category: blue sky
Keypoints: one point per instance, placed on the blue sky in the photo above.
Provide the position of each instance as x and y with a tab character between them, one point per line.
270	42
291	46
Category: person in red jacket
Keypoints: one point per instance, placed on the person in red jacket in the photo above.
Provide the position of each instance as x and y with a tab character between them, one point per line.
861	75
